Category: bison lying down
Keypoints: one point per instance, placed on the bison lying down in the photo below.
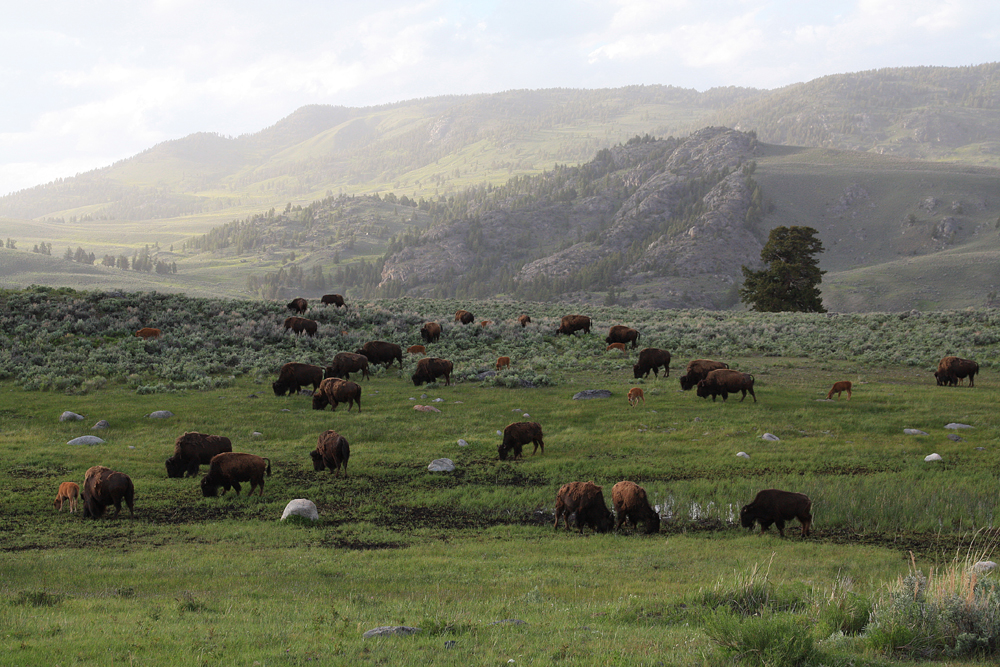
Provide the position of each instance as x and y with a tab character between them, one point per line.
332	451
293	376
777	507
334	391
230	468
517	435
724	381
586	500
632	506
430	369
192	449
102	487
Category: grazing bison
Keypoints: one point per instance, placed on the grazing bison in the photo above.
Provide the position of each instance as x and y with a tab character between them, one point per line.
67	491
843	385
524	320
586	500
298	305
293	376
503	362
332	451
616	346
192	449
381	352
464	316
333	300
573	323
620	333
430	332
102	487
300	324
631	506
953	369
485	323
416	349
698	370
334	391
430	369
230	468
345	363
777	507
651	359
517	435
148	332
635	395
724	381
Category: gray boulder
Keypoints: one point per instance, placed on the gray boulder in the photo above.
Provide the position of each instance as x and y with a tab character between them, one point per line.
103	424
441	465
70	417
955	425
932	457
86	440
386	630
770	437
160	414
300	507
587	394
914	431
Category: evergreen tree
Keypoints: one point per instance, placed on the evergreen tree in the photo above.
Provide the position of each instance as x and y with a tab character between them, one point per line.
790	279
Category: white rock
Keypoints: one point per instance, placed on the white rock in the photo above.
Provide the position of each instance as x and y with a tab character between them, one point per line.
300	507
914	431
70	417
160	414
285	410
438	400
256	435
932	457
390	630
742	455
86	440
984	566
462	443
441	465
100	425
499	432
525	415
517	410
770	437
955	425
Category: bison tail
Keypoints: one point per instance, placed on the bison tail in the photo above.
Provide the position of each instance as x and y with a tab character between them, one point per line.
268	471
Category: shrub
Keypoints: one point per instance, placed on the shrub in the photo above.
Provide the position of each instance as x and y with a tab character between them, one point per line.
768	640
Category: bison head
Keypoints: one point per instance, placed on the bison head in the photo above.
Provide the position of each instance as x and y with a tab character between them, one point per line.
318	463
279	388
703	389
636	371
653	523
418	379
502	450
209	488
746	518
686	383
319	401
175	467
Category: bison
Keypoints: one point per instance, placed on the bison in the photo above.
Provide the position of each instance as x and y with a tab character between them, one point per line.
332	451
345	363
524	320
430	369
381	352
334	391
430	332
620	333
192	449
517	435
485	323
230	468
102	487
698	370
616	346
777	507
843	385
301	324
573	323
464	316
631	506
333	300
586	500
67	491
635	395
724	381
293	376
651	359
147	332
503	362
416	349
298	305
953	369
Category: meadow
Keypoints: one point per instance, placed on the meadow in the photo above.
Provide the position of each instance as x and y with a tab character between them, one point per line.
470	556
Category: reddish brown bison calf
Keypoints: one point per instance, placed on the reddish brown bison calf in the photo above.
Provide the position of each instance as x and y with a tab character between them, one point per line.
293	376
616	346
334	391
148	332
332	451
698	370
192	449
651	359
951	370
102	487
838	387
724	381
586	500
345	363
631	506
620	333
777	507
517	435
416	349
503	362
635	395
67	491
230	468
431	368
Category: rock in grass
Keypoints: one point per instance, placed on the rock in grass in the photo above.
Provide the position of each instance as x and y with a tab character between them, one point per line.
462	443
955	425
300	507
742	455
86	440
984	566
160	414
70	417
386	630
425	408
587	394
103	424
770	437
955	437
914	431
509	621
932	457
441	465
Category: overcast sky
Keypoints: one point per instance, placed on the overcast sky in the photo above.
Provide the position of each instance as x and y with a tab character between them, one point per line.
89	82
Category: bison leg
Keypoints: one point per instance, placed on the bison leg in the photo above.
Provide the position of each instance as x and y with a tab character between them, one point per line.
236	487
780	524
538	444
725	395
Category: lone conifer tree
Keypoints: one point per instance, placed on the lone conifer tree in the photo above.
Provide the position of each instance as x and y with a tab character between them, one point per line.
789	281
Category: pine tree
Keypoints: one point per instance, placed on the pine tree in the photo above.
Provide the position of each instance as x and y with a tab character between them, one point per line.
790	279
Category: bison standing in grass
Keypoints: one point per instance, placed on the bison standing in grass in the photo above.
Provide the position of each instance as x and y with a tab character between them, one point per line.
953	369
148	332
332	451
430	332
464	316
333	300
345	363
517	435
102	487
431	368
293	376
620	333
631	506
230	468
524	320
192	449
381	352
698	370
334	391
67	491
298	305
299	325
586	500
777	507
651	359
838	387
725	381
573	323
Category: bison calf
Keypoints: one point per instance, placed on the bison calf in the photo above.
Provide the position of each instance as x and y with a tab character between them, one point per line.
635	395
67	491
503	362
632	506
586	500
838	387
517	435
334	391
148	332
192	449
230	468
524	320
777	507
616	346
332	451
416	349
103	486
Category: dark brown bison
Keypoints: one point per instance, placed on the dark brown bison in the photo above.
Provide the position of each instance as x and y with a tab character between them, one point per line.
724	381
777	507
332	451
573	323
332	300
698	370
102	487
230	468
192	449
464	316
293	376
651	359
524	320
334	391
586	500
632	506
148	332
517	435
951	370
298	305
620	333
345	363
430	369
381	352
430	332
301	324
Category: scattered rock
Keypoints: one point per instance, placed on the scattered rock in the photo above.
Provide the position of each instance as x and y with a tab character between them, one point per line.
499	432
300	507
160	414
517	410
914	431
103	424
509	621
441	465
979	449
411	398
742	455
770	437
955	437
956	426
438	400
425	408
697	419
285	410
423	395
932	457
591	393
387	630
253	396
462	443
70	417
86	440
525	415
256	435
984	566
824	400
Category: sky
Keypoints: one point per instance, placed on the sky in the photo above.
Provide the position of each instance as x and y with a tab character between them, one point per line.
86	83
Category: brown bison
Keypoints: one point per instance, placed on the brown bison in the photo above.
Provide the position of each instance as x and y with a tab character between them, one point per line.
332	300
102	487
430	332
416	349
345	363
464	316
777	507
651	359
517	435
631	506
334	391
586	500
616	346
620	333
951	370
430	369
67	491
524	320
192	449
230	468
503	362
838	387
332	451
698	370
301	324
148	332
381	352
298	305
293	376
635	395
485	323
573	323
724	381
